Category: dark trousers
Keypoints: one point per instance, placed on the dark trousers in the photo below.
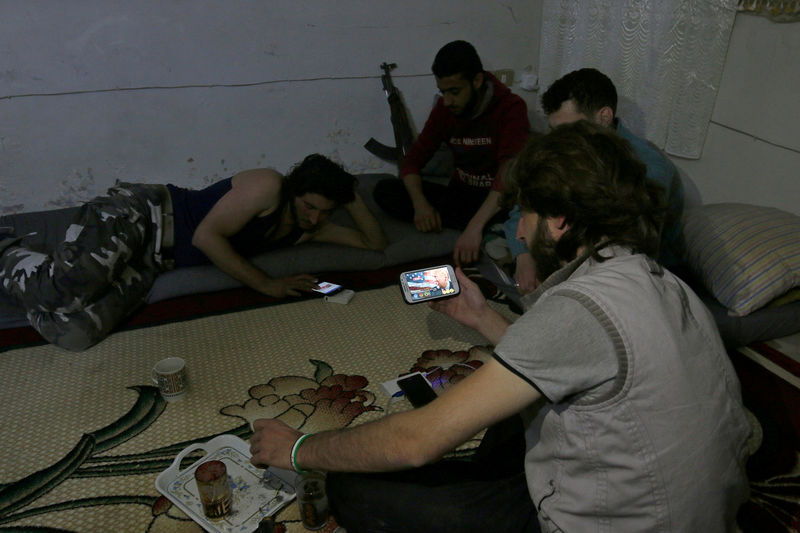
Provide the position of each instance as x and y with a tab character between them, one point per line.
487	493
455	202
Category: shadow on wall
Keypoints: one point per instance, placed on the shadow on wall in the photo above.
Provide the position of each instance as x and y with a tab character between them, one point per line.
538	120
691	194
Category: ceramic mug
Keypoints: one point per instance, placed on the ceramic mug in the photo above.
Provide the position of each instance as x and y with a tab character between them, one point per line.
170	376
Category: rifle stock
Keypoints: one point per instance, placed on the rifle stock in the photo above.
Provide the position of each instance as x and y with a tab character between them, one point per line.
403	136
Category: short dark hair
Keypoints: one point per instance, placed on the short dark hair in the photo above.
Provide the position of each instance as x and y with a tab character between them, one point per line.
318	174
591	176
589	88
457	57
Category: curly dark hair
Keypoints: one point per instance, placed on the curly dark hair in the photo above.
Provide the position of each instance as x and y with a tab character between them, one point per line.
318	174
590	89
457	57
589	175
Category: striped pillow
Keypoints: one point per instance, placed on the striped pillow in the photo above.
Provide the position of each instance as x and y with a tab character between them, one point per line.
745	255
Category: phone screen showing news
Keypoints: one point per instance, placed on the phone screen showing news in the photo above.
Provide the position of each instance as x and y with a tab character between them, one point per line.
428	284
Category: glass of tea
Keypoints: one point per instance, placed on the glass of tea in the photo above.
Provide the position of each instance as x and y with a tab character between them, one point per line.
214	488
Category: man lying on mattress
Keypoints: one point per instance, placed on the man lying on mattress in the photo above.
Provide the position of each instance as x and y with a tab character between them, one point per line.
112	252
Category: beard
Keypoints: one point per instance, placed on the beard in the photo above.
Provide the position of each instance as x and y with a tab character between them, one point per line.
469	107
543	252
302	223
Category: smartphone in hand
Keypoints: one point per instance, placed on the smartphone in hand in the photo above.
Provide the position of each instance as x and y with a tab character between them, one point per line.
429	284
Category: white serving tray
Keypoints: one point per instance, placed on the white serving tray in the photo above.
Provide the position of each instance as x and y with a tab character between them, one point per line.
256	492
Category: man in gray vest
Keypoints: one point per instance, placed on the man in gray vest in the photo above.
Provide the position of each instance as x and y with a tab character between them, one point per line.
632	411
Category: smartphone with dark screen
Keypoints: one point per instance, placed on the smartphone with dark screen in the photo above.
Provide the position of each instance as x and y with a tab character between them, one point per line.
417	389
429	284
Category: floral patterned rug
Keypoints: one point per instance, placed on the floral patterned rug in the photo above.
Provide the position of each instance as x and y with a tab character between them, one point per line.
86	434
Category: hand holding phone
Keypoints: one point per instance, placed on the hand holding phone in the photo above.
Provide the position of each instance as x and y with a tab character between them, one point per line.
429	284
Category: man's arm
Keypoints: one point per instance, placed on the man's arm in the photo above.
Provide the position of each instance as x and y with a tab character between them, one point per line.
402	440
468	245
525	271
470	308
513	130
367	233
426	217
433	134
254	192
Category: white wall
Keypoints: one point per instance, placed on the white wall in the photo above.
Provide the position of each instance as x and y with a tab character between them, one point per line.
92	91
752	151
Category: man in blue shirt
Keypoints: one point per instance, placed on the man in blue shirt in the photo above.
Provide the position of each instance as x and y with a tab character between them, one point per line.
588	94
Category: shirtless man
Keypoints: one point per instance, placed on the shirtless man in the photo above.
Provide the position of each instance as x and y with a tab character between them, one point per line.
75	294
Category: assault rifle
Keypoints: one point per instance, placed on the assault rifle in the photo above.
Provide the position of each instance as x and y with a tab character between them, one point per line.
403	137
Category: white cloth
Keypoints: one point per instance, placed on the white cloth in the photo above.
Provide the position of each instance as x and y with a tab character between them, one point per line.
664	57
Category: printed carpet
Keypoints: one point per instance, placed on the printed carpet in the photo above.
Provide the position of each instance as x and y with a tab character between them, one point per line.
86	434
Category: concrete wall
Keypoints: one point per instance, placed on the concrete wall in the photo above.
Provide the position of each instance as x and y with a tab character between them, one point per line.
188	92
752	151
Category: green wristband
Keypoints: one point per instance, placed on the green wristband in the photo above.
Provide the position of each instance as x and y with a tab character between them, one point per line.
293	456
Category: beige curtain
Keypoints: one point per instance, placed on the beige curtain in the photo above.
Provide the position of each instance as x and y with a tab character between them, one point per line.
665	57
776	10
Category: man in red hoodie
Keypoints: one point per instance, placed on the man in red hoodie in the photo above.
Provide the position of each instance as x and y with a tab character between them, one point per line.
484	125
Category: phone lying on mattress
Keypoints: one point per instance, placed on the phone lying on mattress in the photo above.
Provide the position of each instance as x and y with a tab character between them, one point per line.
327	288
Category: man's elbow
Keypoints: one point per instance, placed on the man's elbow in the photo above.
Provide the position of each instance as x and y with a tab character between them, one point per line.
414	445
413	453
197	240
374	239
200	240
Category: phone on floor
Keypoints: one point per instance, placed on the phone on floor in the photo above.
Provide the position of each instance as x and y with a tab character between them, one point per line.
429	284
326	288
417	389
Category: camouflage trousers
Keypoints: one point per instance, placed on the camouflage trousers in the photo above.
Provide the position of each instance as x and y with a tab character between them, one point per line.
75	294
